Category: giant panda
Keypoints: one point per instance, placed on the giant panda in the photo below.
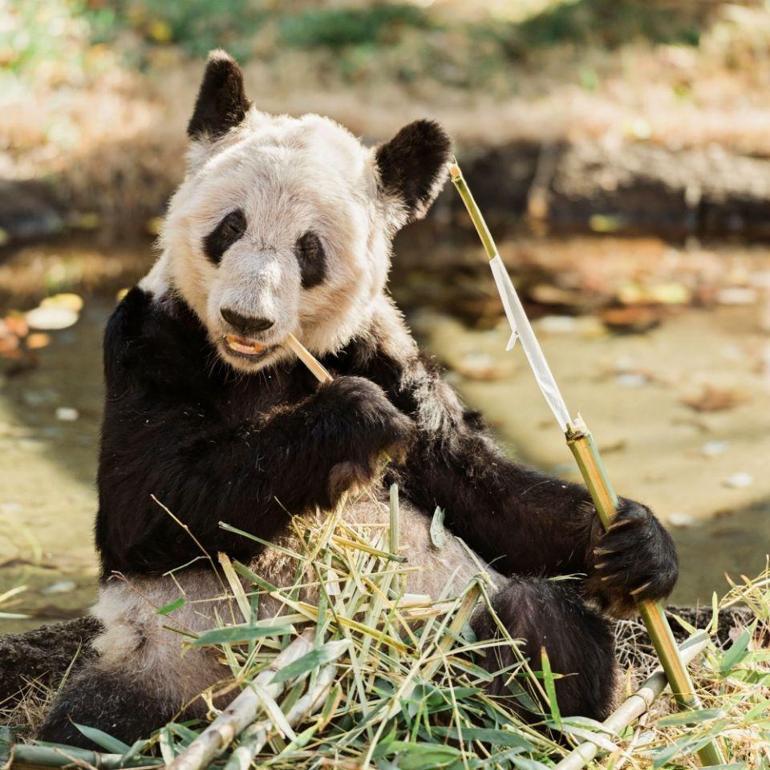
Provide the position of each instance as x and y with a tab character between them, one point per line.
284	225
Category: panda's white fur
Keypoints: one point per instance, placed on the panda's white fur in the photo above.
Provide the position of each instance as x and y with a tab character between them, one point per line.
138	639
289	175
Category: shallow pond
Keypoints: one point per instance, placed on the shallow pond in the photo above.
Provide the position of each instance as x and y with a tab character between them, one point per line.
704	472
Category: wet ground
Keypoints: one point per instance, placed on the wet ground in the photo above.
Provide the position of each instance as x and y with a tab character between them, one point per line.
704	470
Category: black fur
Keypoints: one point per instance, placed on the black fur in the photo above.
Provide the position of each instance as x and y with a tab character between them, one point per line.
412	162
579	643
108	700
312	259
221	103
224	235
211	445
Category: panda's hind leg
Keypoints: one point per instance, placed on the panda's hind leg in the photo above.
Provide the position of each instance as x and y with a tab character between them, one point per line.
107	700
579	643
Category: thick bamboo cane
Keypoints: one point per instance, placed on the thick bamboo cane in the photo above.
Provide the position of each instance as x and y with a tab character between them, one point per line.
241	712
594	475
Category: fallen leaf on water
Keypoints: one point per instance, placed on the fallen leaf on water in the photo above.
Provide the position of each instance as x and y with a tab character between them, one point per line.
679	519
69	300
67	414
739	480
714	448
635	318
714	399
14	323
38	340
51	318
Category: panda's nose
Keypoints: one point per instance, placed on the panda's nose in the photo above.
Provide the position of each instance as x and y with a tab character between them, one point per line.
244	324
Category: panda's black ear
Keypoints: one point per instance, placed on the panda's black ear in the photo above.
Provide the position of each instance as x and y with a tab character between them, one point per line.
413	165
221	102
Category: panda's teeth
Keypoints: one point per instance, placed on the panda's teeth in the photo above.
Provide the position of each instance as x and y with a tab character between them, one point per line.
239	345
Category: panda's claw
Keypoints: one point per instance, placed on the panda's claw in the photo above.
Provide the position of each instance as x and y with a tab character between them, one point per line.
634	559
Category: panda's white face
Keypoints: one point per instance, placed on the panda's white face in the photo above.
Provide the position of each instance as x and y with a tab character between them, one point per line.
283	225
279	231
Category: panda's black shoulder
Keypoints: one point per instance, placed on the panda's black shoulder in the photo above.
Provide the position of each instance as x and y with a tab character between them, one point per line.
152	340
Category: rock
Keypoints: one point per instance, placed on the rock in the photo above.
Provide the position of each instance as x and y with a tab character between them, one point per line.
67	414
739	480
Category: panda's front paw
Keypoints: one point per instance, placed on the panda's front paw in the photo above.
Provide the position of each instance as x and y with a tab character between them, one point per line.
368	432
634	560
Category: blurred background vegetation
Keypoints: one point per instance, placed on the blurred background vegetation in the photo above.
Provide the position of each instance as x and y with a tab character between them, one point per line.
620	149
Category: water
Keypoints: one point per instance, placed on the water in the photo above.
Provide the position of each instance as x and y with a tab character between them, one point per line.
629	388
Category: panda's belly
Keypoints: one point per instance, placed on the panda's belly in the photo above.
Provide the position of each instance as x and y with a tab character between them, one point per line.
138	636
434	570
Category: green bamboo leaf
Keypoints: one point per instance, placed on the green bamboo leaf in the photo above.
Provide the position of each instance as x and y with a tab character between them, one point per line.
736	653
167	609
437	530
693	717
550	687
241	633
312	660
423	756
486	735
103	740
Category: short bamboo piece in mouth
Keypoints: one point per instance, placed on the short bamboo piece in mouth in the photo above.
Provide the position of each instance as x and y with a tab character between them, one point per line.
589	461
307	358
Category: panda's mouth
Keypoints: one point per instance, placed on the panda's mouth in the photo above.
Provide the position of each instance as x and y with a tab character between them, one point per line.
246	348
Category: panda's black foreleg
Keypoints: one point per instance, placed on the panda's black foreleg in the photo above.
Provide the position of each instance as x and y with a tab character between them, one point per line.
579	643
107	700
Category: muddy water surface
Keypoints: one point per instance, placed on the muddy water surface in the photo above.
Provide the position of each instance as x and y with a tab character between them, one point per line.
705	473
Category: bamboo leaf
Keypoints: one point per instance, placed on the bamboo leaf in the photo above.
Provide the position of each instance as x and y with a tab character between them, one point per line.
173	606
550	687
495	737
103	740
312	660
437	531
736	653
241	634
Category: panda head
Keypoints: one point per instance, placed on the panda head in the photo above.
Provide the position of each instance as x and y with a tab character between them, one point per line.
283	225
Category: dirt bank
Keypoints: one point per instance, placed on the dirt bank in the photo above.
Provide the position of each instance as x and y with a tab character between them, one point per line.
560	187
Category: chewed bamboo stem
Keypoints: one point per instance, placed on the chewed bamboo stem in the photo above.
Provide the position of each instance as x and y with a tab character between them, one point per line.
605	501
307	358
634	706
241	712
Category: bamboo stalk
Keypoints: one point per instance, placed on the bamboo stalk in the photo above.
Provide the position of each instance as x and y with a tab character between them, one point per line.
307	358
256	736
28	757
241	712
597	481
634	706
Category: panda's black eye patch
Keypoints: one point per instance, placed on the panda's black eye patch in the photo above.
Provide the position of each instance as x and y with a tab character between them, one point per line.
224	235
311	258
